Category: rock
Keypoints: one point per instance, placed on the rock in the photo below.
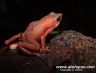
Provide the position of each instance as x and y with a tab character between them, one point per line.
72	48
67	48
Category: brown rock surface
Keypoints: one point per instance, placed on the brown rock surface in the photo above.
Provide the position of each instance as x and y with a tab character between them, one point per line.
67	48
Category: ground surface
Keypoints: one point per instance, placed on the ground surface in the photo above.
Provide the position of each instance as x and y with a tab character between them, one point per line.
67	48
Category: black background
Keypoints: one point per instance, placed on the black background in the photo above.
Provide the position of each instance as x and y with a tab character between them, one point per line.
15	15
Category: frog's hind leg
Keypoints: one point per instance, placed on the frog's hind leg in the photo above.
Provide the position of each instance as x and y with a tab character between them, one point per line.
25	51
7	42
28	52
35	47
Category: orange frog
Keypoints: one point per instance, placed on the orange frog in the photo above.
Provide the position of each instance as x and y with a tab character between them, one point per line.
33	39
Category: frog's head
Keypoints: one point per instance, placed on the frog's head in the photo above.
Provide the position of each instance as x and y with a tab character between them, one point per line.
52	19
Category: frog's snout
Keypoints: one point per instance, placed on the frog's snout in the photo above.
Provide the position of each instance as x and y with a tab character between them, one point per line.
59	18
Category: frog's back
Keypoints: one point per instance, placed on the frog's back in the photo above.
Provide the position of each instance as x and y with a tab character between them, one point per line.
31	26
33	31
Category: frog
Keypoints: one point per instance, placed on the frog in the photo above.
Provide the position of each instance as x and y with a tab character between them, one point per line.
33	39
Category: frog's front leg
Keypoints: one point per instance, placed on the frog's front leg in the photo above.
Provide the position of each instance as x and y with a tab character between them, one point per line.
35	47
43	40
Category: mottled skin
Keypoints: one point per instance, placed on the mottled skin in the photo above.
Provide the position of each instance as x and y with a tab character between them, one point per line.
34	37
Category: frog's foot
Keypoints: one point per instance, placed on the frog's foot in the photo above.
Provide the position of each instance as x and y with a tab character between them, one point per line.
44	50
7	42
13	46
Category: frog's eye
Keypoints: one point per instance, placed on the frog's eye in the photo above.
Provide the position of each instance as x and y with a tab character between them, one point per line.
59	18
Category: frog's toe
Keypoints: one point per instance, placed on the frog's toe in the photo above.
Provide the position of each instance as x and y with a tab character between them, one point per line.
44	50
